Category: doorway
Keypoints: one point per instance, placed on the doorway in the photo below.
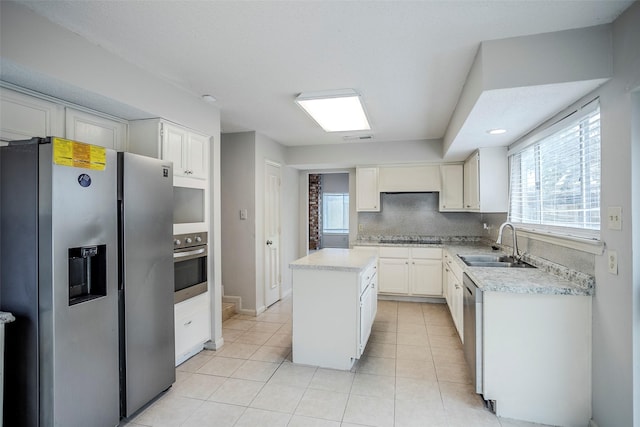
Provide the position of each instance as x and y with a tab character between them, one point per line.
328	211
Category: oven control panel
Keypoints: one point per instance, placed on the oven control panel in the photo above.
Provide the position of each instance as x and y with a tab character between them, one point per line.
181	241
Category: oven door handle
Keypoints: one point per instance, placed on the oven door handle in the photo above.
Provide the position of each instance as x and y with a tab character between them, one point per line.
188	253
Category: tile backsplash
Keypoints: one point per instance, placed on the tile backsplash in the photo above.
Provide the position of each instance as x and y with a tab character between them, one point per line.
416	214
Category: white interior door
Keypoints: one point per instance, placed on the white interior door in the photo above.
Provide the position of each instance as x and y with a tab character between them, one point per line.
272	276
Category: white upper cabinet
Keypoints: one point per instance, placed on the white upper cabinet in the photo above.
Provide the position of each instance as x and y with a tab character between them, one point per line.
188	150
451	194
486	180
97	130
409	178
367	193
472	183
23	116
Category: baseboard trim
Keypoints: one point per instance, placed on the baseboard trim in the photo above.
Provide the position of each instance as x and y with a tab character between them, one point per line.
237	301
592	423
389	297
286	294
214	345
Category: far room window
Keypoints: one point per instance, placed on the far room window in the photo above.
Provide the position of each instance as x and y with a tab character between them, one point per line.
335	213
555	177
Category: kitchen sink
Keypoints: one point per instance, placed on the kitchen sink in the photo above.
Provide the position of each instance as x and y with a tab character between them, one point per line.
504	261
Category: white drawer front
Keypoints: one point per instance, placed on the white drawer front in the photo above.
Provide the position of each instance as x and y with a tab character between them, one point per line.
394	252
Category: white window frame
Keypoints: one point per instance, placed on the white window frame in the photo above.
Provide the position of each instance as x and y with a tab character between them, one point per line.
576	238
345	214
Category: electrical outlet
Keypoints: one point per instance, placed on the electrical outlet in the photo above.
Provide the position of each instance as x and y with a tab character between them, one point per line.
360	227
612	262
614	217
243	214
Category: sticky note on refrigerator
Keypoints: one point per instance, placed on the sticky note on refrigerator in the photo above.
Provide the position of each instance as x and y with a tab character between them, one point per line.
79	155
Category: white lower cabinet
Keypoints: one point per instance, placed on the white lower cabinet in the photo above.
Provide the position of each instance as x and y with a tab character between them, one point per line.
192	326
410	271
537	357
454	291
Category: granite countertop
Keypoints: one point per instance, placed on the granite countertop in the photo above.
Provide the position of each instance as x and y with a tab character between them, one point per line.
336	260
6	317
548	278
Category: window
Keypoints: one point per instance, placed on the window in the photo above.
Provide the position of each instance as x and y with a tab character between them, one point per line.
335	213
555	177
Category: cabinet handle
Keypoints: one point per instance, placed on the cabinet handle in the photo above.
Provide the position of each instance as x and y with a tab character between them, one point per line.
188	323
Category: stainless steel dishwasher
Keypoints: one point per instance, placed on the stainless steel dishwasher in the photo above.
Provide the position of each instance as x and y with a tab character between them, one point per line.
472	316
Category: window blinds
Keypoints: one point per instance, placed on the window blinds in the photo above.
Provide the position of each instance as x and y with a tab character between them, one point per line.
555	181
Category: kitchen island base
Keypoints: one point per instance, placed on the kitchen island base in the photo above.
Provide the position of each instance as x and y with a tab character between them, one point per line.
333	309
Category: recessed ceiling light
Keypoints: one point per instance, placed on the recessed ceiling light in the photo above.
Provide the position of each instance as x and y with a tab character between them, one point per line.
335	111
496	131
209	99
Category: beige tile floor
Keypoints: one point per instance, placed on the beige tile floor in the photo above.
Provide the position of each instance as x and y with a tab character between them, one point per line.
413	373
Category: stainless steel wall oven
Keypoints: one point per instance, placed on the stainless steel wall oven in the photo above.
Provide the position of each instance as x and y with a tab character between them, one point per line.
190	265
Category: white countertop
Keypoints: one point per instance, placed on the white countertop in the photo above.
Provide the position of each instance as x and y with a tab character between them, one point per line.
548	278
335	259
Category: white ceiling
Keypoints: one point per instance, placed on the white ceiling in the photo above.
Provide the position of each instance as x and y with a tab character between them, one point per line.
408	59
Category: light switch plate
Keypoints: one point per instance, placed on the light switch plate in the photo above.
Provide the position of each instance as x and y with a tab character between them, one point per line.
614	217
243	214
612	262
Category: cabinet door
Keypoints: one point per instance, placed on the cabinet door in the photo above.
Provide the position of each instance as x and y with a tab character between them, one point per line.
367	194
192	325
445	284
472	183
393	275
23	117
459	308
451	195
365	318
426	277
196	156
84	127
174	148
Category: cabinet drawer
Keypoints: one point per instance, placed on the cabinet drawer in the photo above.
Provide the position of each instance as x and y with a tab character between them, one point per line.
392	252
192	324
426	253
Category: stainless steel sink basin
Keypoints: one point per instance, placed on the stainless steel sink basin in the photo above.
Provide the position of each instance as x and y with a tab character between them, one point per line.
493	261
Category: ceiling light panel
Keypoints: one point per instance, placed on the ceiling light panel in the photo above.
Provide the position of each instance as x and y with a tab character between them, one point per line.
335	111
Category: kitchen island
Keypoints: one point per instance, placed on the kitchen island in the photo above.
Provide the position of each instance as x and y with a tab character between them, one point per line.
334	304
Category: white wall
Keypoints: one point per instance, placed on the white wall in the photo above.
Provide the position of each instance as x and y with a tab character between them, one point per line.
614	331
238	236
635	196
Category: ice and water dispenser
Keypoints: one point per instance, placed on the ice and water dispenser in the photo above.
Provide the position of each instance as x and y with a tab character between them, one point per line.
87	273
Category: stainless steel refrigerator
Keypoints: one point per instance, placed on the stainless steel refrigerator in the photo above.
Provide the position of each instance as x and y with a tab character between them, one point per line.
86	267
147	341
59	277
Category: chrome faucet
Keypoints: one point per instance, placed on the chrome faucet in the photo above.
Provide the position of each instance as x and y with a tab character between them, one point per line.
515	241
